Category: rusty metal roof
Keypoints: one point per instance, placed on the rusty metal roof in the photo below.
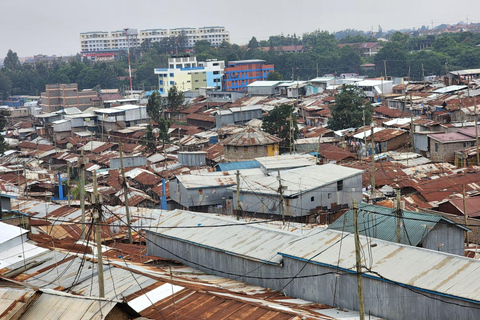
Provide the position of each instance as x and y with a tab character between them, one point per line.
251	137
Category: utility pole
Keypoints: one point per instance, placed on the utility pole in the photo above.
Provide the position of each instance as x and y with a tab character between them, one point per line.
280	191
364	132
97	211
385	68
465	214
290	131
423	76
412	126
238	195
317	69
358	264
129	65
81	185
399	216
125	194
476	128
68	185
372	176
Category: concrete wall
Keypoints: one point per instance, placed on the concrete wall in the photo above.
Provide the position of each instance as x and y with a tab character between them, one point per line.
445	238
241	153
446	151
382	299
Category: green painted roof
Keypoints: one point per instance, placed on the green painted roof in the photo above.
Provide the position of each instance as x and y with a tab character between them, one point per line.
381	223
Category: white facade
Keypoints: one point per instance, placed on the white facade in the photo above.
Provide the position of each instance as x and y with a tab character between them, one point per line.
108	41
95	41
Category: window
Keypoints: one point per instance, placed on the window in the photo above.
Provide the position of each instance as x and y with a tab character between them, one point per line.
464	144
245	149
329	195
161	82
172	75
436	147
200	191
312	199
172	83
340	185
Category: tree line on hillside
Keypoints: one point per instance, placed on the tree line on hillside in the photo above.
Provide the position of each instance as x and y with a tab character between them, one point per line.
320	55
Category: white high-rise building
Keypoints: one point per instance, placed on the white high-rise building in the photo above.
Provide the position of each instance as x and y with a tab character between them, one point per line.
104	41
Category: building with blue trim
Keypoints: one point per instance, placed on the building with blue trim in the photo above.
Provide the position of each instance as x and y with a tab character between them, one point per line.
239	74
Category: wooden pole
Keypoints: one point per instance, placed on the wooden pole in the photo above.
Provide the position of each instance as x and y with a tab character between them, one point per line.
238	195
68	185
372	175
476	129
125	194
97	219
280	191
81	185
358	264
465	214
399	217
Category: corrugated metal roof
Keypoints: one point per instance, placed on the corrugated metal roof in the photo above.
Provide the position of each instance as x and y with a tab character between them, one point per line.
238	165
298	181
251	137
214	179
56	306
416	267
286	161
257	242
9	232
416	224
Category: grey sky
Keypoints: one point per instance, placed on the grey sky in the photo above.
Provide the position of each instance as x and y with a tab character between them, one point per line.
53	26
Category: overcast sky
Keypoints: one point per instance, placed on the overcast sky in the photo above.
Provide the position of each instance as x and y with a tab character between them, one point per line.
50	27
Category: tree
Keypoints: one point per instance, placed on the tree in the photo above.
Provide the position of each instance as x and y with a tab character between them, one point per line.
3	122
175	100
11	61
348	109
253	43
149	140
155	106
274	76
277	122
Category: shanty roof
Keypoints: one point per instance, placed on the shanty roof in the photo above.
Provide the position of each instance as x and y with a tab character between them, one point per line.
413	267
214	179
416	225
284	162
250	164
255	241
298	181
251	137
450	137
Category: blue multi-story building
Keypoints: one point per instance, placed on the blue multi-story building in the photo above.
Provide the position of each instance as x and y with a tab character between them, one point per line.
239	74
189	75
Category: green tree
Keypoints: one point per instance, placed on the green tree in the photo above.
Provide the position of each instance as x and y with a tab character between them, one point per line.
175	100
155	106
149	139
274	76
11	61
3	122
348	109
277	122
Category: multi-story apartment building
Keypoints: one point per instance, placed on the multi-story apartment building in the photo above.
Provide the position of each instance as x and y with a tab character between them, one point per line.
102	41
189	75
239	74
61	96
95	42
